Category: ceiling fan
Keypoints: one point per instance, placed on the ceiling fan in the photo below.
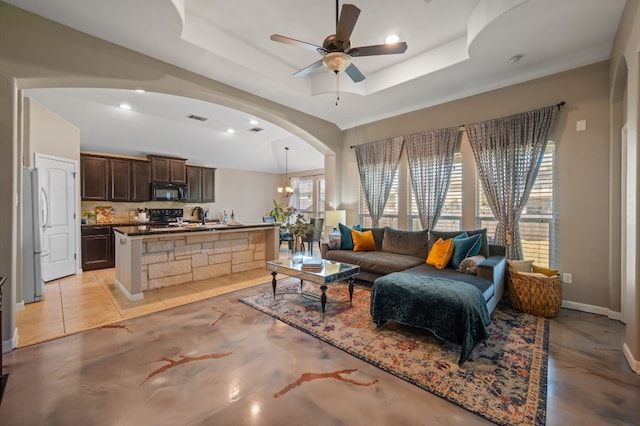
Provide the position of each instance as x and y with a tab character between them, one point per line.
336	49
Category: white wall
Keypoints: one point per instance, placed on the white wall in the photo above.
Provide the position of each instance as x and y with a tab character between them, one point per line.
47	133
625	108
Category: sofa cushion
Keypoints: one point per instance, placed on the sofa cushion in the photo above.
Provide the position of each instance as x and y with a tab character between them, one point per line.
346	240
411	243
376	262
440	253
484	248
465	247
483	284
363	241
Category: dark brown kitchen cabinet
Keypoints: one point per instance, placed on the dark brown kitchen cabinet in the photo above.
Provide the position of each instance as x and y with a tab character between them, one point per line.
114	179
168	169
120	179
200	184
140	181
94	177
98	247
208	184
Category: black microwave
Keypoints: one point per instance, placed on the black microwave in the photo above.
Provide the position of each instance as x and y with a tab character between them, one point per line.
168	192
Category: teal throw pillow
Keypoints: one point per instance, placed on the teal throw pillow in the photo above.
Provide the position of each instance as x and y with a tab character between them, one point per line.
346	240
465	247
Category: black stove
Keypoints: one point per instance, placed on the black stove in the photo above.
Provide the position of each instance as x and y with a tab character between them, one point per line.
164	216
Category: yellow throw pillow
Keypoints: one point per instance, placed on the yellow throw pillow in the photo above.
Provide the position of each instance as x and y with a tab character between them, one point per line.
440	253
548	272
363	241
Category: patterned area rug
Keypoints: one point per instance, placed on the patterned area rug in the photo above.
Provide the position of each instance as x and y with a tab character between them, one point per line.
504	380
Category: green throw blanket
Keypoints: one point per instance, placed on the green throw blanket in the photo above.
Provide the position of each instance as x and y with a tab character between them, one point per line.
452	310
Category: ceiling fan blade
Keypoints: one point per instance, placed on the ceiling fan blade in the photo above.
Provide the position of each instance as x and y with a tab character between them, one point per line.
292	41
379	49
355	74
346	23
306	70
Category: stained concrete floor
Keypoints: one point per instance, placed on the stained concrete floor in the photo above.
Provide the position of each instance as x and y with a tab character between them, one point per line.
75	379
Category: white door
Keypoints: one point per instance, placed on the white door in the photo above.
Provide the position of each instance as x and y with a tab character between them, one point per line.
58	204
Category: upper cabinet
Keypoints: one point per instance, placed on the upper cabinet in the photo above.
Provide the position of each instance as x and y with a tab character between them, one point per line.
120	179
94	175
140	180
106	178
168	169
114	179
200	184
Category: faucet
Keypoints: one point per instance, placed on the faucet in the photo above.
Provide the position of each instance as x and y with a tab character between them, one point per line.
200	213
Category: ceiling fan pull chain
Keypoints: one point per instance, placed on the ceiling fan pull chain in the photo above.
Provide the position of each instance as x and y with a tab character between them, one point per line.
337	88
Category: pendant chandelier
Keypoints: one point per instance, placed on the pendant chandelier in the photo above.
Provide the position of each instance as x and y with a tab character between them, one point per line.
288	191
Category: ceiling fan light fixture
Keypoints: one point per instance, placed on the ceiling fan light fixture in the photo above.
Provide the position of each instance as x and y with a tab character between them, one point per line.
336	61
391	39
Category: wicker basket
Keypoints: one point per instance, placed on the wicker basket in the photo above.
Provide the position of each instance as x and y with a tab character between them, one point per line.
535	295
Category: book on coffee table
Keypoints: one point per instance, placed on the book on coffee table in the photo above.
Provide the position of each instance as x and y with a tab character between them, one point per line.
312	264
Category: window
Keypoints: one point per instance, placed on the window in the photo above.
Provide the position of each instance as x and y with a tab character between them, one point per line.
451	214
537	222
390	214
308	195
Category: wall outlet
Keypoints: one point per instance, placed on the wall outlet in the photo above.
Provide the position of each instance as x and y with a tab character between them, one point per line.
567	278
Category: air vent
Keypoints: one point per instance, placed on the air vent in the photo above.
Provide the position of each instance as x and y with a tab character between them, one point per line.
196	117
256	129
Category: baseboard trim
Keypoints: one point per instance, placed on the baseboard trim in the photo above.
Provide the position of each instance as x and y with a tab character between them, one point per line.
592	309
132	297
9	345
634	364
20	306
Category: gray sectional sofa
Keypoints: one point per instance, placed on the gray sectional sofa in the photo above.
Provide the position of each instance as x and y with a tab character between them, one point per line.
406	251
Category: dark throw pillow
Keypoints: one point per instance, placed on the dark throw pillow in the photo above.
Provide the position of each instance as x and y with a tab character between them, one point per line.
346	240
465	247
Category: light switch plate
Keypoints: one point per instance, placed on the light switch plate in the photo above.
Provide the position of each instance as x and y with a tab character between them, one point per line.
581	125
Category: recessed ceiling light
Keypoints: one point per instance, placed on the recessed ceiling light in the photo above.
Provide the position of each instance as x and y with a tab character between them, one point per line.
253	122
140	90
125	106
391	39
231	131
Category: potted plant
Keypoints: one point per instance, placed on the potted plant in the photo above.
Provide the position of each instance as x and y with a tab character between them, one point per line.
298	229
282	212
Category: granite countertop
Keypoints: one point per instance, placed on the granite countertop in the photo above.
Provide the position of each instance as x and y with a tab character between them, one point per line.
146	229
134	223
115	223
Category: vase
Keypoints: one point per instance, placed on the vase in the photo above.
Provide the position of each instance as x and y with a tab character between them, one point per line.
297	252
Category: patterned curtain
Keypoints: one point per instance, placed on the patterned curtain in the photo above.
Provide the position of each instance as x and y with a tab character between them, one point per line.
508	152
430	163
377	165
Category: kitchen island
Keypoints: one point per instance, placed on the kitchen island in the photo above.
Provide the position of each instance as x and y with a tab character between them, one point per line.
151	256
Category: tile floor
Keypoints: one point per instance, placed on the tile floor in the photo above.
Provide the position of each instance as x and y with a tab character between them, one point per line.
91	299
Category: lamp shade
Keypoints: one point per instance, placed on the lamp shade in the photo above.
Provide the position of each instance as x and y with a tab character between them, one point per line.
333	217
336	61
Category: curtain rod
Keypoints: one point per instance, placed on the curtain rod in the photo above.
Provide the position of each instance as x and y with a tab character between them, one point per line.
463	126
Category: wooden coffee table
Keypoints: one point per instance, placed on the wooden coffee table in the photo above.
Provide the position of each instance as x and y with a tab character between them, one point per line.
330	272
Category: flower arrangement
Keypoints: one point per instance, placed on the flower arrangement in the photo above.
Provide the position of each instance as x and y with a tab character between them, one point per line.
282	212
